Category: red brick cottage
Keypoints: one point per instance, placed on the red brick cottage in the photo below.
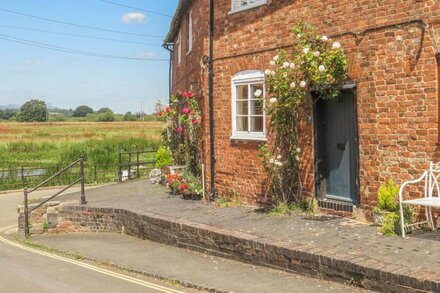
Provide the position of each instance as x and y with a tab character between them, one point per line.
384	125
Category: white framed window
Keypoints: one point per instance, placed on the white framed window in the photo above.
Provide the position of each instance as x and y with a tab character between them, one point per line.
240	5
190	32
248	115
179	48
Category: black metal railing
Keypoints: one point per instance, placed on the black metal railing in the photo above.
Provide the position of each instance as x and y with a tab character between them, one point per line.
26	192
134	164
133	161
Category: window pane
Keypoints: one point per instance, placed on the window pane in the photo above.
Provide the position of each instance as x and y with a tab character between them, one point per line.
257	124
242	92
242	124
256	107
242	107
254	88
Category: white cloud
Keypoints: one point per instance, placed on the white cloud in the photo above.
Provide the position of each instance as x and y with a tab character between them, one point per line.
133	17
146	55
33	62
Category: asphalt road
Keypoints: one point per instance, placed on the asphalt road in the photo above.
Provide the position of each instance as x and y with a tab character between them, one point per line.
27	270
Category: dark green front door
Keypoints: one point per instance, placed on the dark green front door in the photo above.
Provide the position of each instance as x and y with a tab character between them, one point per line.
336	148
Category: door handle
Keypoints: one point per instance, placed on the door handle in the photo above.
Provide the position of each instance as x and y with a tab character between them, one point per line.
341	146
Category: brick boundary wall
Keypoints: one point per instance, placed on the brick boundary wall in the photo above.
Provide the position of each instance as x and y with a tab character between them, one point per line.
318	262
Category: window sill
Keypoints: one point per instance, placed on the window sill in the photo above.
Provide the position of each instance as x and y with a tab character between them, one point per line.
250	138
247	7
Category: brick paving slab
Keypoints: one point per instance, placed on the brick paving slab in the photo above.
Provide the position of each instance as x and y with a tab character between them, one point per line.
324	238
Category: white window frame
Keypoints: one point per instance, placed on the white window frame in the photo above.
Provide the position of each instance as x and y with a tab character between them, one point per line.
247	77
190	32
251	4
179	48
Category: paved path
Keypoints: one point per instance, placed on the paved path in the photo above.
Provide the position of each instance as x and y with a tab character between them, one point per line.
27	270
186	266
339	235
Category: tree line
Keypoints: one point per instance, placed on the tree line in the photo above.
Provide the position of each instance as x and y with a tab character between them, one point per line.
37	111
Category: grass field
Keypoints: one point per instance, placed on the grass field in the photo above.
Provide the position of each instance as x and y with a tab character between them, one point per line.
41	149
31	143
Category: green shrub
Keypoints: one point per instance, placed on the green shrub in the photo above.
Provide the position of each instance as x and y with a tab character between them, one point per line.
391	222
388	225
387	195
163	157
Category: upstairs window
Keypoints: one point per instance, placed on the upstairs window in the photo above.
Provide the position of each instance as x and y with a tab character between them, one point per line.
190	32
240	5
248	115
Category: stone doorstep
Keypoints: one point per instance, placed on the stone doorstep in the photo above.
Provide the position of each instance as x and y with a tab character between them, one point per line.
298	258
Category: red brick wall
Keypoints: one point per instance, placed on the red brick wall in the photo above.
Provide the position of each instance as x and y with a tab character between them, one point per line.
397	102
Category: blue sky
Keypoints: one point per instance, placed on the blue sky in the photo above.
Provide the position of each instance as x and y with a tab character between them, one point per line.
67	80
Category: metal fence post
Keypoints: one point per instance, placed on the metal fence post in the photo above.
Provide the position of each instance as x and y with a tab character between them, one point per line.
129	165
83	194
119	165
26	213
138	175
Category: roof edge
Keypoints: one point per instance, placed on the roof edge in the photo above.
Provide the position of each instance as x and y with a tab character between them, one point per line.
181	9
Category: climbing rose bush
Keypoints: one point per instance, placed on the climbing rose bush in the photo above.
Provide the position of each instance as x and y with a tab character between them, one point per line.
315	64
183	133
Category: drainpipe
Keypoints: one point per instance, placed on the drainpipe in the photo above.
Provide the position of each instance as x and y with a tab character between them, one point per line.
169	47
211	96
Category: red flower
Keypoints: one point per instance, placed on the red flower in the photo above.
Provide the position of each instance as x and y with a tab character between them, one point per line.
193	113
187	95
185	110
180	130
194	121
183	186
167	109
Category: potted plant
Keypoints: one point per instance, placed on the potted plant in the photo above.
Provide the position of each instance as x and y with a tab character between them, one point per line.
190	187
174	181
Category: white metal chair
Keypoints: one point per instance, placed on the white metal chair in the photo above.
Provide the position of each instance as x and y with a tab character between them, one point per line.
429	201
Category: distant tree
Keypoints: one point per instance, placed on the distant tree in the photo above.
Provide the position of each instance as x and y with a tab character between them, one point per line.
9	114
104	110
106	117
82	111
129	117
2	114
33	111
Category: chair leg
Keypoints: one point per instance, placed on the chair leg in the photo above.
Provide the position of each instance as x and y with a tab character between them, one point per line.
402	222
428	219
431	219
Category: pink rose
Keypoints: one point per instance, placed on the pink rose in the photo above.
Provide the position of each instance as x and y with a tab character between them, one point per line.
185	110
180	130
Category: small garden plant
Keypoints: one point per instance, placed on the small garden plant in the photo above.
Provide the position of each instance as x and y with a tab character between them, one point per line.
387	212
163	157
229	201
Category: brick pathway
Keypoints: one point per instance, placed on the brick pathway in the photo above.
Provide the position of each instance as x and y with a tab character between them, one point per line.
340	237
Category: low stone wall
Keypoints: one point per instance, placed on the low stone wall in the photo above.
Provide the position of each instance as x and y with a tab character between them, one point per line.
244	247
56	217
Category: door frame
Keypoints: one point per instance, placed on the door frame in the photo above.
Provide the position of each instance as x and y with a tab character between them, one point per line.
318	151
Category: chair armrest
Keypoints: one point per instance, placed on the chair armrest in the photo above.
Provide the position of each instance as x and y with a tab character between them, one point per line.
411	182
